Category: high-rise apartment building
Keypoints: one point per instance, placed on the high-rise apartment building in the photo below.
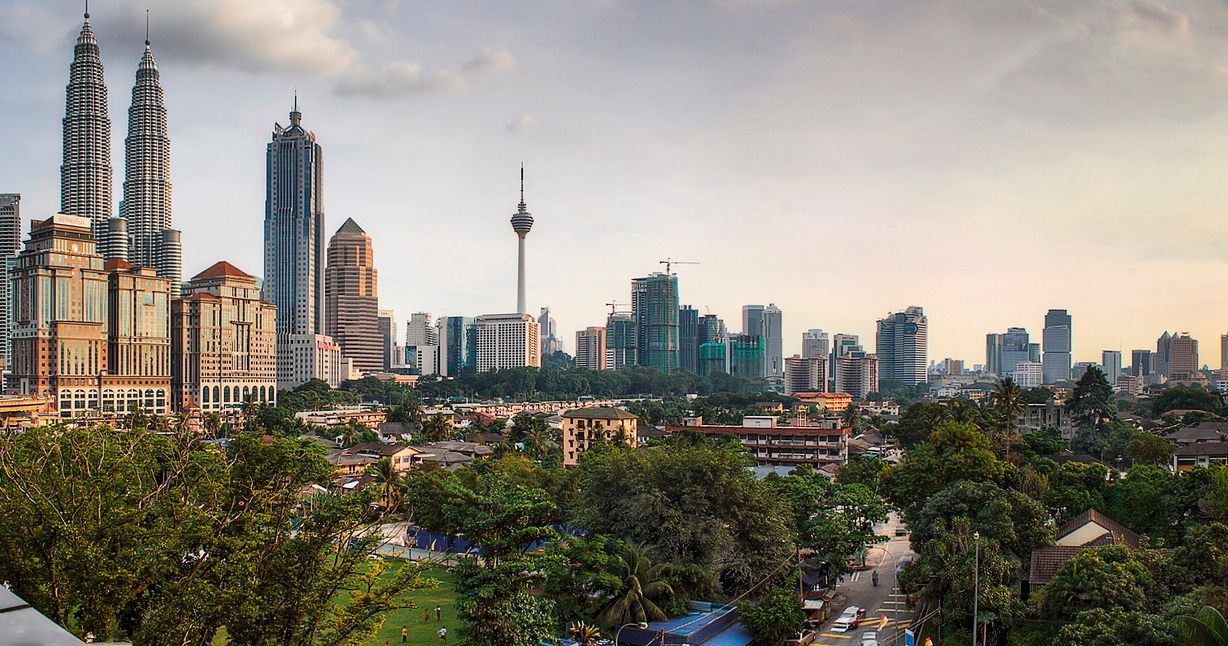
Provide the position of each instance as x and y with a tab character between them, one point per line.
88	337
654	303
1223	353
993	353
1056	356
422	344
842	344
1184	365
146	204
1140	363
457	339
901	346
805	374
387	324
621	341
815	343
351	298
1162	360
752	320
223	342
713	358
507	341
746	356
85	176
711	329
294	255
857	374
1110	362
688	339
10	246
773	342
590	348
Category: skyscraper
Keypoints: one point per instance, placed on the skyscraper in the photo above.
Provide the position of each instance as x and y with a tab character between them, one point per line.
1184	366
815	343
387	324
1140	363
10	246
688	339
857	374
1014	349
85	176
654	302
745	355
294	253
522	221
590	348
805	374
351	297
1162	360
1056	357
621	341
1110	360
752	320
457	345
993	354
507	341
550	342
146	203
901	346
773	342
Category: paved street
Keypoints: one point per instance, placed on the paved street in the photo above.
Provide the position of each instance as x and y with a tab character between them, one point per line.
879	600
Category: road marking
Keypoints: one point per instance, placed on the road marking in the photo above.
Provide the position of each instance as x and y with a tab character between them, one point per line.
831	635
856	575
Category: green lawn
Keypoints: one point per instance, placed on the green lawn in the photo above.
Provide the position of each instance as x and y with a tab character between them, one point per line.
423	634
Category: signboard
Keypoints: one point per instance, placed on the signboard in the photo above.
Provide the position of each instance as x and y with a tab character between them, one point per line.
910	639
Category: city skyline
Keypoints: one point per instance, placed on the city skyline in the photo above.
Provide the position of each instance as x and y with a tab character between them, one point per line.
1118	221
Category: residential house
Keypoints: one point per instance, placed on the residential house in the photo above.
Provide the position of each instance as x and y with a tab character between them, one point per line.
1089	529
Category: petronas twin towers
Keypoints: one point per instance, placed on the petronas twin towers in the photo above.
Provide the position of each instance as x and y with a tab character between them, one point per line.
142	233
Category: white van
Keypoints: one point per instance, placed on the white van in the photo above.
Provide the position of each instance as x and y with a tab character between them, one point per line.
847	620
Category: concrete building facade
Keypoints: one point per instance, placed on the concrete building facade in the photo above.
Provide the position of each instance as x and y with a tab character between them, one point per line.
590	348
507	341
1056	357
351	298
805	374
901	346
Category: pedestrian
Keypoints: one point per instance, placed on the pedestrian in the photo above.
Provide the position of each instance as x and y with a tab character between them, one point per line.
426	615
438	613
443	635
404	634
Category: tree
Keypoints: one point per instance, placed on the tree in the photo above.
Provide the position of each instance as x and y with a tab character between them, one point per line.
777	617
388	483
1181	398
436	428
1146	448
1115	627
834	520
953	452
860	469
1089	404
642	583
1007	399
1096	578
1207	628
1013	519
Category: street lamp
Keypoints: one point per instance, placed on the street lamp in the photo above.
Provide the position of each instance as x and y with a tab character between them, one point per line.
976	574
642	625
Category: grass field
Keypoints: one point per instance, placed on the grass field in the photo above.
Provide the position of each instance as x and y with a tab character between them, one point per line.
423	634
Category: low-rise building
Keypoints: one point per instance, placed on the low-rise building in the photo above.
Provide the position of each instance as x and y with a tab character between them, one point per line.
1200	454
813	442
1038	417
837	401
583	426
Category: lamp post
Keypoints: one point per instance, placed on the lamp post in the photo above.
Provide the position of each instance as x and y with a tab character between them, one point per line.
642	625
976	574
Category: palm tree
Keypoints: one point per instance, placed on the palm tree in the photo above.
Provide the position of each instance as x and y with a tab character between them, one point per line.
585	633
535	442
388	482
850	417
1207	628
641	583
1008	401
436	427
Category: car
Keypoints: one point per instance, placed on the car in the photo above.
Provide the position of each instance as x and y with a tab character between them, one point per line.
869	638
901	531
847	619
905	561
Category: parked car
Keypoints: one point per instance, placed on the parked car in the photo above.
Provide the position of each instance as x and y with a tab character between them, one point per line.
847	619
869	638
901	530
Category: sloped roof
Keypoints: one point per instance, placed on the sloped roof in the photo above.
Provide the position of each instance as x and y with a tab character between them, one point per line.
351	228
117	264
602	412
222	268
1117	531
1046	561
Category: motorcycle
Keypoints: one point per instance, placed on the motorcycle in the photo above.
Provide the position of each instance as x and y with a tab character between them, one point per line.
874	578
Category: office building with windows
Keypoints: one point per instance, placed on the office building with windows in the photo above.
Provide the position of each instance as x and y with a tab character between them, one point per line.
590	348
1184	366
815	343
1110	362
901	346
688	338
654	304
621	341
773	342
805	374
1057	348
85	174
507	341
351	298
10	246
457	339
223	342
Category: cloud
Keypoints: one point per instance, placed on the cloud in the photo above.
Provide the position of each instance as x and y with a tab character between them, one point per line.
399	78
1156	16
526	123
269	35
492	60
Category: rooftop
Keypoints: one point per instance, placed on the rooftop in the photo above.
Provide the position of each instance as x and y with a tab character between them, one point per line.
220	269
598	413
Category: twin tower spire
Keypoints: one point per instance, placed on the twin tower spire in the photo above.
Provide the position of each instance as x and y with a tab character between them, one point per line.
142	233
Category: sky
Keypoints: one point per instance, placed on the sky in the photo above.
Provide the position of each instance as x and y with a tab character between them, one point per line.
842	159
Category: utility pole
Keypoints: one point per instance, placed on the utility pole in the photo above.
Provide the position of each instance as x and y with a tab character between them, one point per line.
976	574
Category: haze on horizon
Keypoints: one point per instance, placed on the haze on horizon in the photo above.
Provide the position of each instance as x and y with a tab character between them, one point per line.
842	159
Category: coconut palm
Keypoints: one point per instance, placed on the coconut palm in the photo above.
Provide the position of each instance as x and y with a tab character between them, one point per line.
850	417
436	427
584	633
1207	628
1007	399
388	482
641	584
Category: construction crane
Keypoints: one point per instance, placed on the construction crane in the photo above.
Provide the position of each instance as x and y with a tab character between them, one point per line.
614	306
670	261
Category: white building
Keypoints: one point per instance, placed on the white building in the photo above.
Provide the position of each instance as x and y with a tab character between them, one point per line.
1029	374
857	374
507	341
815	343
1111	361
303	357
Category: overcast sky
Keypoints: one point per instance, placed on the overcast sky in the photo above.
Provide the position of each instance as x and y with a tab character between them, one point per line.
842	159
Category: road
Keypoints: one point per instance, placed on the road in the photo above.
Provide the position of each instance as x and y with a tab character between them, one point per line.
878	600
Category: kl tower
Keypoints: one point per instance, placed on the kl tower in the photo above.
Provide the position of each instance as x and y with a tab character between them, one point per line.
522	221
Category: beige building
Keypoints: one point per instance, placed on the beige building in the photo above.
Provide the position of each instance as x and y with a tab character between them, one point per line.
89	337
857	375
223	348
590	348
805	374
507	341
351	298
1184	365
583	426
